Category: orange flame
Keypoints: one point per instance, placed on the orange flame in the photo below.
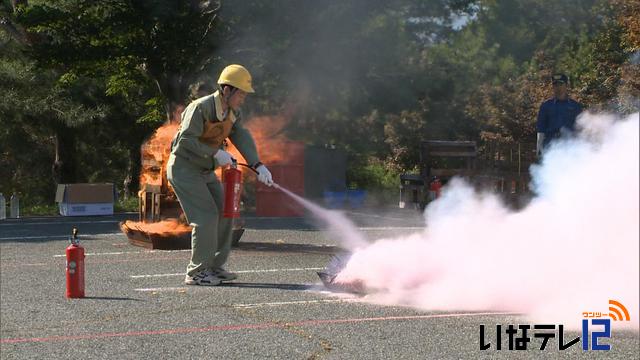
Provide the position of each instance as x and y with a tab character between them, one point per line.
155	154
165	228
271	142
268	133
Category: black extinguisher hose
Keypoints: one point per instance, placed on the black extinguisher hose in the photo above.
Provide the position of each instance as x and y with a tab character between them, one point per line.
248	167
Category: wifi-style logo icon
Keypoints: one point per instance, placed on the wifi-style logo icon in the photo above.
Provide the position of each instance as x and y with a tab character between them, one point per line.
618	312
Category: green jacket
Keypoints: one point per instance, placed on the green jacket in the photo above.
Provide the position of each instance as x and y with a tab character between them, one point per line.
188	145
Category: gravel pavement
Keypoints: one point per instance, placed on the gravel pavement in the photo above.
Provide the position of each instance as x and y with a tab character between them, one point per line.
137	306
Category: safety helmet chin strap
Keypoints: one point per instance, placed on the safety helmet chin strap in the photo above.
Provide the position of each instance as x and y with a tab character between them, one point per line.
225	99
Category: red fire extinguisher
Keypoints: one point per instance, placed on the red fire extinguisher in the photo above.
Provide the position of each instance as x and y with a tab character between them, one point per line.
435	186
75	267
232	178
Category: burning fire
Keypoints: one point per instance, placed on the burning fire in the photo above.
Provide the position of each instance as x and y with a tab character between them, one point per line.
156	151
155	154
268	134
272	145
165	228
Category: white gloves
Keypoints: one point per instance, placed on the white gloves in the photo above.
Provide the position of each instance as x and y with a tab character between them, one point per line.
223	158
539	144
264	175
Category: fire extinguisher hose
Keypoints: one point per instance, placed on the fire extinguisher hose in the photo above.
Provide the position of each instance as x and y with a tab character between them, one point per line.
248	167
256	172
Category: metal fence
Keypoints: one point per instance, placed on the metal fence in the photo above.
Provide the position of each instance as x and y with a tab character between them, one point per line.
501	167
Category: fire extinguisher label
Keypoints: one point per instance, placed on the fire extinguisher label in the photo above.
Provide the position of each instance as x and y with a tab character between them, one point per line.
71	267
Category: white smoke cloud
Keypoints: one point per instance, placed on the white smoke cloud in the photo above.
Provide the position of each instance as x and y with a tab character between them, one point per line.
574	247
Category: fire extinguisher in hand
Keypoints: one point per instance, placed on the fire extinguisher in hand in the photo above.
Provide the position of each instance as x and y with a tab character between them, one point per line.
435	187
232	178
75	267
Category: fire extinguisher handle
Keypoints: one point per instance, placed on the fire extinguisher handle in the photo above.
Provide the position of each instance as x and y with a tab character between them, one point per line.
248	167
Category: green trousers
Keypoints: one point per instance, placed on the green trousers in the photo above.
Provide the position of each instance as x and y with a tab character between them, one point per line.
201	198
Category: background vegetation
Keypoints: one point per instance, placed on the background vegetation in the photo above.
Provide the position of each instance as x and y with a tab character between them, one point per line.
83	83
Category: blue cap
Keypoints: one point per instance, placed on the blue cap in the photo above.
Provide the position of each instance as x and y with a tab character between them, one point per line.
559	79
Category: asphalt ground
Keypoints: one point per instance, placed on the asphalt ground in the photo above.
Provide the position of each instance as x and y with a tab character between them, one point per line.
137	306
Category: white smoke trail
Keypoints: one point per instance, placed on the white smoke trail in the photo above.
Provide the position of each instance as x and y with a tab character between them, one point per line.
574	247
338	224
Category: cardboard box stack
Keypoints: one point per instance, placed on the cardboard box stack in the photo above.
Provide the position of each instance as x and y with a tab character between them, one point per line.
85	199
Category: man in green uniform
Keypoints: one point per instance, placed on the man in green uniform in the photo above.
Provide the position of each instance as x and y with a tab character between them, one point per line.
195	152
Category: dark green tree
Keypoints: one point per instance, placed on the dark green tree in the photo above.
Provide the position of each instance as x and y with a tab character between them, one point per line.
165	43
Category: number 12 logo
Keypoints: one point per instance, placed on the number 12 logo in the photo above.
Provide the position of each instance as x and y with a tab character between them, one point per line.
595	335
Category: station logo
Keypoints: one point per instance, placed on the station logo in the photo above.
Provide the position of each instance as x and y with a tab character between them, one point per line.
596	326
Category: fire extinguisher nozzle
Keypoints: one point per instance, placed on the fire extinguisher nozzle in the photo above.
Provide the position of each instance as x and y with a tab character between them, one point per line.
74	236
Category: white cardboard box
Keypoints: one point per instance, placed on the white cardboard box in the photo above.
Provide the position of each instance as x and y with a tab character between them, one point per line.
85	199
67	209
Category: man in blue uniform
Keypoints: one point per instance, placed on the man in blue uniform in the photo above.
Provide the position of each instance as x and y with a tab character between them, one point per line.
556	115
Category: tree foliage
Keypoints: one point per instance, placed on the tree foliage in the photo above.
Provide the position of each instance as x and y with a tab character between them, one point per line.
127	42
85	82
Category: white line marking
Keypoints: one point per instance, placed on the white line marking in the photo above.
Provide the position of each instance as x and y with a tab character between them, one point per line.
365	228
392	228
161	289
154	275
301	302
237	272
61	236
21	264
377	216
34	237
67	222
126	252
275	270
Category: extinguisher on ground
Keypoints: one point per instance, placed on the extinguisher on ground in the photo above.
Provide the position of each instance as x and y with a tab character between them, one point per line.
75	267
232	178
435	187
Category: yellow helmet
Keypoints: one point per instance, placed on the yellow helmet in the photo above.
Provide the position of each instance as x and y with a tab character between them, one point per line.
236	76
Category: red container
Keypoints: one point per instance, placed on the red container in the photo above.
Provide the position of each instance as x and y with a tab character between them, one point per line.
271	202
435	187
287	169
75	271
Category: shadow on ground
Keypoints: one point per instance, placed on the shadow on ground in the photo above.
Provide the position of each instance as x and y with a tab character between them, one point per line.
290	287
293	248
